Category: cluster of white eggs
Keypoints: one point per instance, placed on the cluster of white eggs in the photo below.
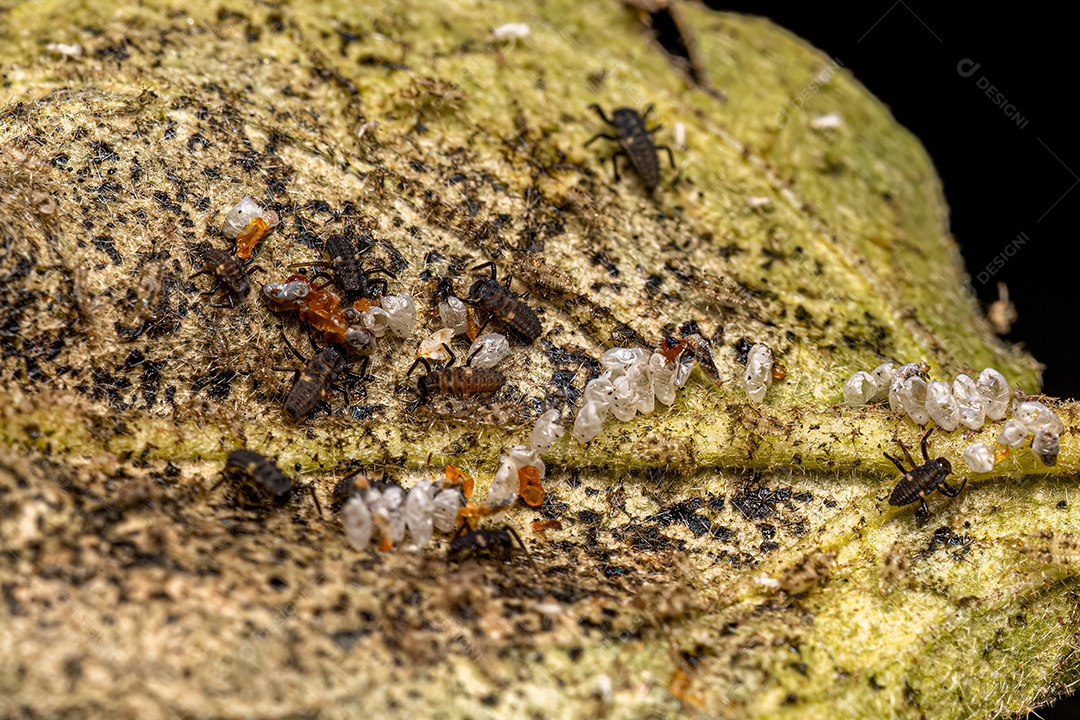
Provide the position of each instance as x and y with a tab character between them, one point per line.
966	401
632	381
385	514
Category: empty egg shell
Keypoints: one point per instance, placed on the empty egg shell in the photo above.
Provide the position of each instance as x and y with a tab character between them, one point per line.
912	396
970	401
488	350
547	431
432	346
589	421
241	215
942	405
1012	433
402	314
859	389
454	315
979	457
995	393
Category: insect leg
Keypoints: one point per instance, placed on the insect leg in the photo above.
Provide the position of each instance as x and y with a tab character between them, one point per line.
449	352
907	455
480	329
290	345
523	547
419	361
489	264
229	305
923	512
670	156
379	269
895	462
318	506
615	162
370	244
329	279
468	360
379	283
600	135
211	291
945	489
344	391
925	437
600	111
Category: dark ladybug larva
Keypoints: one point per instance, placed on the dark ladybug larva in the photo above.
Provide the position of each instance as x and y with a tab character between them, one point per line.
230	273
259	471
635	143
461	380
313	383
501	302
920	481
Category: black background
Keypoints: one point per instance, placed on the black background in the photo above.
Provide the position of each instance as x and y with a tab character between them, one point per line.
1000	179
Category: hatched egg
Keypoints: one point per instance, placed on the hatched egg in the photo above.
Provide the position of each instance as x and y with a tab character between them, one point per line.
663	375
454	315
376	321
979	457
1046	446
621	358
896	382
522	455
589	421
242	213
359	340
357	521
994	390
624	399
912	396
418	513
882	376
859	389
683	370
599	390
1035	416
446	502
401	312
547	431
758	376
504	488
942	405
1012	433
970	402
432	346
488	350
393	499
642	385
